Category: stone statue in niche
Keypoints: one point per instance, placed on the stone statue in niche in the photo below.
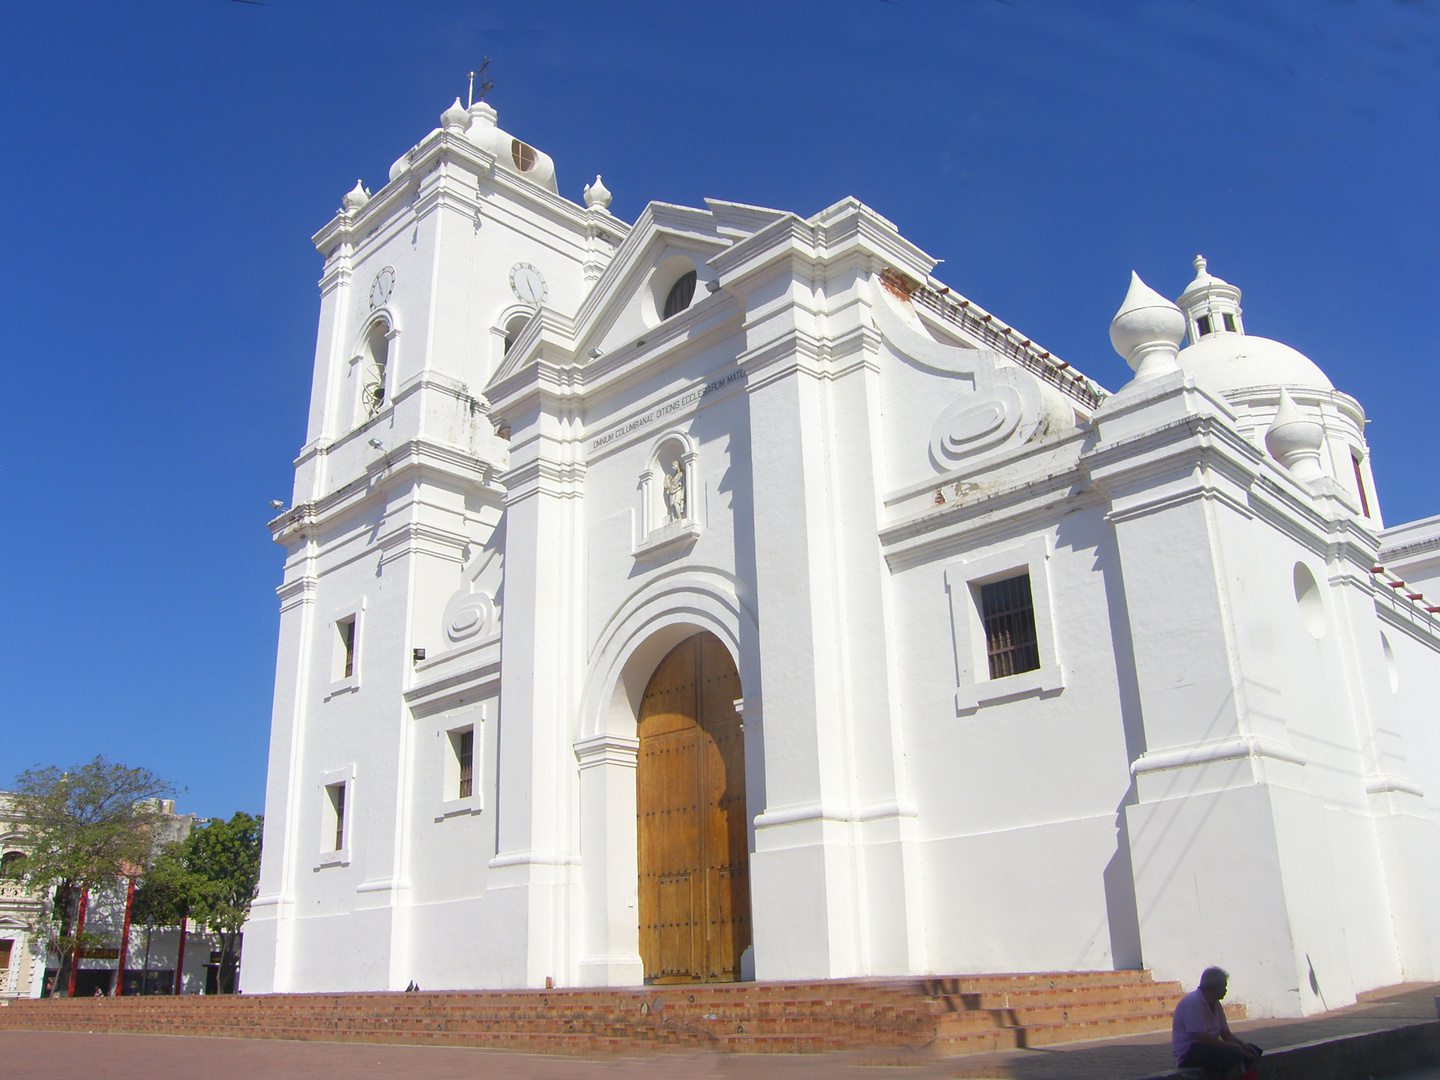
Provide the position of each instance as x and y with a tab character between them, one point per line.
675	492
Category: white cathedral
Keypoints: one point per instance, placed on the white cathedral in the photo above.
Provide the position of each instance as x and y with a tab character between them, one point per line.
722	597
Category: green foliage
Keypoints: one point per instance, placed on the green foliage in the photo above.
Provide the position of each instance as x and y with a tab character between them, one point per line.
166	893
86	826
211	876
223	861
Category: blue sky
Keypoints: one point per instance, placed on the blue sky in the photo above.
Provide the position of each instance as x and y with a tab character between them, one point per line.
164	165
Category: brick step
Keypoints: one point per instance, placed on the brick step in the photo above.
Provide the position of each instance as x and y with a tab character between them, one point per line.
1066	996
1050	1034
459	1030
1051	980
256	1007
894	1018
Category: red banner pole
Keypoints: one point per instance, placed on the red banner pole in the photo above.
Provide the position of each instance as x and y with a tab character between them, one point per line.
180	960
79	930
124	941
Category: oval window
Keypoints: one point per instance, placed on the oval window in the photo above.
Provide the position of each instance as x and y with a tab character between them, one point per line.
680	295
523	155
1307	597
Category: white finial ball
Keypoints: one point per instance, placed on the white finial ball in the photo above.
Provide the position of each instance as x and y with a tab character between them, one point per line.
355	198
597	195
455	118
1147	330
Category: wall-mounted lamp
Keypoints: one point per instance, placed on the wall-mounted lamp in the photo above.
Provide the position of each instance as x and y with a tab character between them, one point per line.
419	654
276	504
377	444
594	354
712	286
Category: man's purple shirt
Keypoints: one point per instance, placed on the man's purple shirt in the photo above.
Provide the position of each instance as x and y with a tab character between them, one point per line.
1194	1016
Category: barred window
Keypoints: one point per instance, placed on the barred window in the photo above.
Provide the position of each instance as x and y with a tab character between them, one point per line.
1008	613
465	754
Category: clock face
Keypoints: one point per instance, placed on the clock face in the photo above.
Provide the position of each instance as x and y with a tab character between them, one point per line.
381	286
528	284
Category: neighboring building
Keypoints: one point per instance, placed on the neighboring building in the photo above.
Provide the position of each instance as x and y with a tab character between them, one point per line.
27	970
21	966
721	596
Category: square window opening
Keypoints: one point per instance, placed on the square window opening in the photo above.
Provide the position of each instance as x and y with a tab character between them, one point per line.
1007	611
1204	324
1229	322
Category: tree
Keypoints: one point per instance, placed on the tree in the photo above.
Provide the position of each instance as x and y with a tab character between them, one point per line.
84	827
211	876
166	896
225	859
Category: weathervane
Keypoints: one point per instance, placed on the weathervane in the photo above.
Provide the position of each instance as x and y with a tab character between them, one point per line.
485	84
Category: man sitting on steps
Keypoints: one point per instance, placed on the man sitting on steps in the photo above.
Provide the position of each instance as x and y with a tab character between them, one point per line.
1200	1038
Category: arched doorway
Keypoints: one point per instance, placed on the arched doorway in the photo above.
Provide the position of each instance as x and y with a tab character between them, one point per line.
694	860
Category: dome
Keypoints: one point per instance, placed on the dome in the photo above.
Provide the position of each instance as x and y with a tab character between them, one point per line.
1227	362
1222	356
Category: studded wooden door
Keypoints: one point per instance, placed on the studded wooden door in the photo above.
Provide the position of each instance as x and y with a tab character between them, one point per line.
690	801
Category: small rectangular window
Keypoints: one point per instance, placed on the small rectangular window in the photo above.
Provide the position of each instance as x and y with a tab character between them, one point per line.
346	627
1360	485
337	812
465	756
1008	612
1229	322
1203	322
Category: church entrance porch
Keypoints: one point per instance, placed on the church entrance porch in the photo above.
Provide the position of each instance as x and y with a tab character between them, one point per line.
694	883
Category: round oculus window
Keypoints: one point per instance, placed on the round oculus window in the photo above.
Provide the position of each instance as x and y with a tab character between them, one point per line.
522	155
680	295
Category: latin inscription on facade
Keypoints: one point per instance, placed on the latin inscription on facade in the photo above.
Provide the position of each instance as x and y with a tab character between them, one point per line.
659	412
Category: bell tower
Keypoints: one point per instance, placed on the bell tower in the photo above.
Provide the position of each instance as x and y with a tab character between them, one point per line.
466	251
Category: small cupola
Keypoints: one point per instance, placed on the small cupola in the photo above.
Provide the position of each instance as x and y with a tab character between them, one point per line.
1211	306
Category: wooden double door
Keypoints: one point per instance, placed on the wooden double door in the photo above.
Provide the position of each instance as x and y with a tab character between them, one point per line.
690	801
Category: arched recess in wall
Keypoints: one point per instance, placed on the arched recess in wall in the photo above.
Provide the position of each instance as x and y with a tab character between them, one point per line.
668	486
506	328
665	611
1309	601
648	624
514	327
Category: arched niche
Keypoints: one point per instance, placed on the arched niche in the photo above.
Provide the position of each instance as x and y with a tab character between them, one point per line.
668	489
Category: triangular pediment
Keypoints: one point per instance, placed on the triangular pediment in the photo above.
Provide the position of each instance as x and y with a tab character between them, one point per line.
661	232
660	228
